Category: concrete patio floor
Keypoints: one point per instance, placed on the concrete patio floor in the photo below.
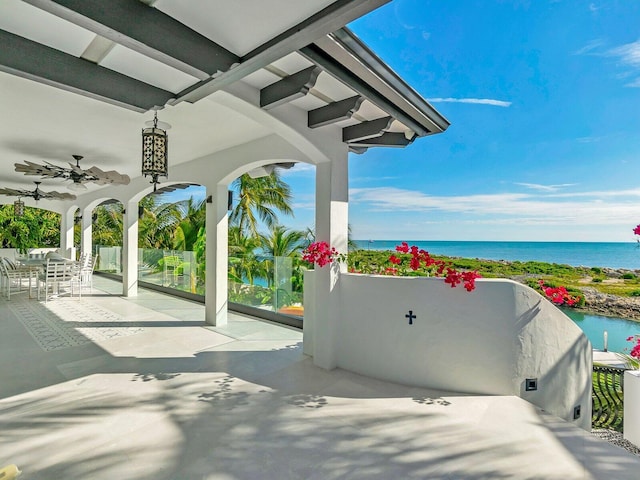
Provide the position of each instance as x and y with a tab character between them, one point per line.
138	388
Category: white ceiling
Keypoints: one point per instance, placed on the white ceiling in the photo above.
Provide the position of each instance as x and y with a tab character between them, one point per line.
41	122
241	25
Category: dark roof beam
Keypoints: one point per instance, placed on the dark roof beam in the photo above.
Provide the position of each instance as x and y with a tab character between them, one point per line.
366	130
334	112
28	59
145	30
327	20
328	64
289	88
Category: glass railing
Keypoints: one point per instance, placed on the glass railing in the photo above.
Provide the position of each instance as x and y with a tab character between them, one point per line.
265	283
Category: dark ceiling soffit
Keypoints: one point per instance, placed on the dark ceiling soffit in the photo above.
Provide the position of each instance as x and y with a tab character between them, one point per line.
387	139
327	20
331	66
334	112
356	47
366	130
28	59
145	30
289	88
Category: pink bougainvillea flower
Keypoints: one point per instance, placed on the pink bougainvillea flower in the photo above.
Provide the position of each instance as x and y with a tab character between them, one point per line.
637	230
403	248
395	260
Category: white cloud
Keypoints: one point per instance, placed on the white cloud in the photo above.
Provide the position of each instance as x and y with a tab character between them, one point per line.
372	179
629	54
583	208
590	48
545	188
480	101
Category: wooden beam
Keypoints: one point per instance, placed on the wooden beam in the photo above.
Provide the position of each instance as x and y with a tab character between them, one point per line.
289	88
331	18
25	58
334	112
145	30
365	130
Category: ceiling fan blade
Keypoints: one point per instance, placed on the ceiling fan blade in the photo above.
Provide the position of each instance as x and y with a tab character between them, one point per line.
17	193
49	170
58	195
104	178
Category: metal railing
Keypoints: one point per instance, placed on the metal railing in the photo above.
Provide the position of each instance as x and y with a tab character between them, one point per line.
608	397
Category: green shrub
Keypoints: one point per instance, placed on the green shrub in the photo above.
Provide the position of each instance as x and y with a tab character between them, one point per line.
596	270
628	276
597	280
634	293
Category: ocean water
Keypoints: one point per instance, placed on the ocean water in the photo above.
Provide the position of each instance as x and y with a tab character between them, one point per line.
588	254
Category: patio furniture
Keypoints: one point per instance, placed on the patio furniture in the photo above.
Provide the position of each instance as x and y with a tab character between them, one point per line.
172	262
11	279
87	267
58	273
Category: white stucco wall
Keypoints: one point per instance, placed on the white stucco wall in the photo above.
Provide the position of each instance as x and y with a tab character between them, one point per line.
488	341
631	425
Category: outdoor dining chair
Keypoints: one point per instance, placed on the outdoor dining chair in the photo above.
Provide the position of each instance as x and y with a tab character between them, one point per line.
59	273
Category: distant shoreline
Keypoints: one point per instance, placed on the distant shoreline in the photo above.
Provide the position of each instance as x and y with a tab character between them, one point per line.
616	255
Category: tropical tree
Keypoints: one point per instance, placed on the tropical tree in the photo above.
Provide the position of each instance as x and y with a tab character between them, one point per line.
259	199
107	226
192	223
282	242
243	262
158	223
36	228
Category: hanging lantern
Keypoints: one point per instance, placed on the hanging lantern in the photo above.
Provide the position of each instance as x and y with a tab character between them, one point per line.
18	208
155	161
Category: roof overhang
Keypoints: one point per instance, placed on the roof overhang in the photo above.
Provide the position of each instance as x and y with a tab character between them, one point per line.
303	58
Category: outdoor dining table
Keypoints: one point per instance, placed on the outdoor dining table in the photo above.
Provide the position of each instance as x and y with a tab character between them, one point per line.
31	266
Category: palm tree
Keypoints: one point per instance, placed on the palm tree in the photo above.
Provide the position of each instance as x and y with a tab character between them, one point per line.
158	223
107	228
259	198
243	263
282	242
193	220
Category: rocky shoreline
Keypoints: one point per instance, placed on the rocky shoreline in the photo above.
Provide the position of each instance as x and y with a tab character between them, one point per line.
610	305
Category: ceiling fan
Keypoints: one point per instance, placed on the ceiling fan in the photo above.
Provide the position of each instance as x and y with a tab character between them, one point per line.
77	175
37	194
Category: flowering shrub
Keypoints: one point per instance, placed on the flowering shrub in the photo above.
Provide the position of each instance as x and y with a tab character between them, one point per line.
559	295
409	259
637	230
635	350
319	253
420	259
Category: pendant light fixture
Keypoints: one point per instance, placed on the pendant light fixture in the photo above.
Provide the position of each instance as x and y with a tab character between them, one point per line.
155	160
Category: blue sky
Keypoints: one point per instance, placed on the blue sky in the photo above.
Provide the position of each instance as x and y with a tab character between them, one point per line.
544	145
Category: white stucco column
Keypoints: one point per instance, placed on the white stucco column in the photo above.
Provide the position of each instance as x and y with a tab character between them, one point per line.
86	233
217	226
130	250
67	249
332	226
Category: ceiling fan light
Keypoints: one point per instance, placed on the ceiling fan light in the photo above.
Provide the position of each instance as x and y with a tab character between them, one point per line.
155	161
77	186
18	208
